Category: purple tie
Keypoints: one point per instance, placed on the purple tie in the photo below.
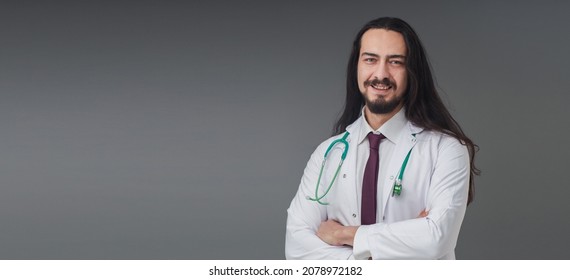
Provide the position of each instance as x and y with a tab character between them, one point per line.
368	210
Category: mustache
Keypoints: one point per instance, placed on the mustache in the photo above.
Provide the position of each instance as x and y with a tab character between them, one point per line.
376	81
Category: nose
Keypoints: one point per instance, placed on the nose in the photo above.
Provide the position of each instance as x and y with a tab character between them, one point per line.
381	72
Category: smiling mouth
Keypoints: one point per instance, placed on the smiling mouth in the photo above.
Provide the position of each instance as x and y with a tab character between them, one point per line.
384	84
381	86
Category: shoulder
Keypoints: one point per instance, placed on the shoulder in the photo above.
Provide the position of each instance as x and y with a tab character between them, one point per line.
442	143
353	130
330	144
323	146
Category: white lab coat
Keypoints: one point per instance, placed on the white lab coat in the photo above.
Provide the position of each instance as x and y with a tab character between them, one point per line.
436	179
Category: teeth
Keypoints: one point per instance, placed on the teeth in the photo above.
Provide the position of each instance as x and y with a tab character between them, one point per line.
381	87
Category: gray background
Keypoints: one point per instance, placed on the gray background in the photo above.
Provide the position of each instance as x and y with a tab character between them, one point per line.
180	130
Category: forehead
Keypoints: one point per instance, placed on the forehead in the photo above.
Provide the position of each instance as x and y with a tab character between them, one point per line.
382	42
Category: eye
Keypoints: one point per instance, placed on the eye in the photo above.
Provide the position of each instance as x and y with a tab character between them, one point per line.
396	62
369	60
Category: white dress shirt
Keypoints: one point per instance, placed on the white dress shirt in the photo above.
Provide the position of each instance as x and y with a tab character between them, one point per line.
391	130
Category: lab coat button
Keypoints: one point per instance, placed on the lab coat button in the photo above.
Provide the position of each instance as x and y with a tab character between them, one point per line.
343	175
391	177
383	218
353	215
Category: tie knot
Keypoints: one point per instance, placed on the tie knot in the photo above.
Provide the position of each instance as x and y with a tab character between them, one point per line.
374	140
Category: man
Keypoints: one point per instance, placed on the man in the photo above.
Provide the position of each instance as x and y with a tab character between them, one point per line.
407	178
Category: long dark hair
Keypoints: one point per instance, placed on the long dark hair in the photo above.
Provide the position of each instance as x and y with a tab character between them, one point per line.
423	105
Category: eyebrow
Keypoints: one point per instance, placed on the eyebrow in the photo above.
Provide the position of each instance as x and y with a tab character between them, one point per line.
397	56
388	56
369	54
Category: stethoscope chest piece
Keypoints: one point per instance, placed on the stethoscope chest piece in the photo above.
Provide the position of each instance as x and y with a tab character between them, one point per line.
397	190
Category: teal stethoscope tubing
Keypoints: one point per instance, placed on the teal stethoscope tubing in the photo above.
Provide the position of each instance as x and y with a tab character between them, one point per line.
341	141
396	189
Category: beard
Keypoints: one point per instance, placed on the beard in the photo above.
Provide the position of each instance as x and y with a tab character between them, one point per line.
381	106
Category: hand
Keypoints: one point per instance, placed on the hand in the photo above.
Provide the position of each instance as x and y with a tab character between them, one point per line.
334	233
423	214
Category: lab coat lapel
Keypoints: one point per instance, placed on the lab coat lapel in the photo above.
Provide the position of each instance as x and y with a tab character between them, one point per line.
406	141
349	169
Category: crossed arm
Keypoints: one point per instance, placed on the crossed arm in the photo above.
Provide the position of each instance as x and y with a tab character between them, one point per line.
312	235
335	234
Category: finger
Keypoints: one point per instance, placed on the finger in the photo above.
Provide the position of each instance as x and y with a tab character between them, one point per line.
423	214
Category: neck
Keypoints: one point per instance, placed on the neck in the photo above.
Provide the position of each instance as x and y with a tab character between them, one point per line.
377	120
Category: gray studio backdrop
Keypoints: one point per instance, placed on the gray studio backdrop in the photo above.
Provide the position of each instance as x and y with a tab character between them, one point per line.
180	130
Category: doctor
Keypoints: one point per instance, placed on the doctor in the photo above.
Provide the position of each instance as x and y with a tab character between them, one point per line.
407	175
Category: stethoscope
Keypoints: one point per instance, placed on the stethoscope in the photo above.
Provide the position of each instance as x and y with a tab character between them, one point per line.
396	188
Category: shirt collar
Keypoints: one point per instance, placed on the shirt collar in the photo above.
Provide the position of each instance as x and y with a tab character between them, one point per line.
391	129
